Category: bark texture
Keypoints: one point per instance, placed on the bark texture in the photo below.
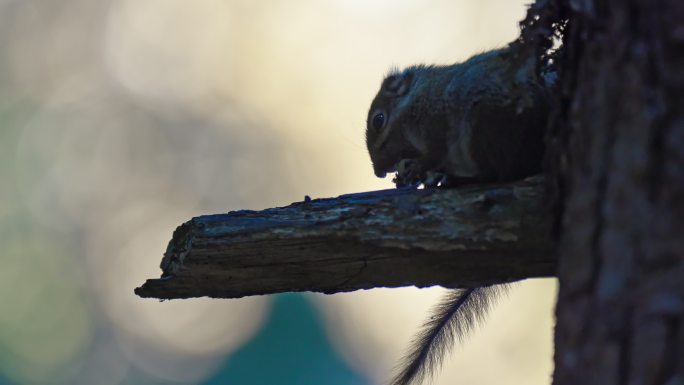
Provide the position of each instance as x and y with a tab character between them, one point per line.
471	236
621	253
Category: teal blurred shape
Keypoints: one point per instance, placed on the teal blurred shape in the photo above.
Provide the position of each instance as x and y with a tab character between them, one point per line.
291	348
5	381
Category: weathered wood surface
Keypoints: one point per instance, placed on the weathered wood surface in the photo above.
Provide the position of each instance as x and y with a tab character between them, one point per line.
468	236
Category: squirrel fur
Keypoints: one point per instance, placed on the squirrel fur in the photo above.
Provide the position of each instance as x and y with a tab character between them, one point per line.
482	120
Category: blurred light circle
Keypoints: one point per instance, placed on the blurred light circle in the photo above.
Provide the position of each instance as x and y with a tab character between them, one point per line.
45	324
126	250
169	50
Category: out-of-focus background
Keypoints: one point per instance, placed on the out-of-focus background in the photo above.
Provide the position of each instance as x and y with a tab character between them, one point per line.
121	119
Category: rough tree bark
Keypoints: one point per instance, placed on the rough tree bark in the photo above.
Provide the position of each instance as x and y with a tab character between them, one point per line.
471	236
621	253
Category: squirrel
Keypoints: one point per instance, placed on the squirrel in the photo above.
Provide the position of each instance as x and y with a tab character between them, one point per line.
482	120
479	121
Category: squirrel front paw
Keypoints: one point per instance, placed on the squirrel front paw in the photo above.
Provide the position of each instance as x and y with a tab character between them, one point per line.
409	173
435	179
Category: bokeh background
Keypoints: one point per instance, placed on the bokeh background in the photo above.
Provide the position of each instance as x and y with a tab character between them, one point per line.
120	119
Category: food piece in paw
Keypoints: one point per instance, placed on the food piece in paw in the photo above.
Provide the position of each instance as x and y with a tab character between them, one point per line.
409	172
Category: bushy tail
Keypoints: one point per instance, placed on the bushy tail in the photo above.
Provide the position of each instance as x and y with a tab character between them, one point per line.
453	318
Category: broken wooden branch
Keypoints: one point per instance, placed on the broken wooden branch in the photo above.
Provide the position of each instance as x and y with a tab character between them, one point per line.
470	236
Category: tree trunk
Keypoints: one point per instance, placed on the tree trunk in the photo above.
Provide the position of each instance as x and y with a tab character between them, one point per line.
621	253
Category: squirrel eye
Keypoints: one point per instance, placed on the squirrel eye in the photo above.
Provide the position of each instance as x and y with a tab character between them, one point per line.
378	120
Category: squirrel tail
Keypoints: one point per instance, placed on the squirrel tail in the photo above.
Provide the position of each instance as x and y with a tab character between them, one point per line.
453	318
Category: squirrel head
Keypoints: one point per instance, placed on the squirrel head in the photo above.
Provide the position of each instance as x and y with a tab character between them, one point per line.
385	136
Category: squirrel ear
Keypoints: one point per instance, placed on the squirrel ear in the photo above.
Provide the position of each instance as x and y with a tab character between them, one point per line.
397	84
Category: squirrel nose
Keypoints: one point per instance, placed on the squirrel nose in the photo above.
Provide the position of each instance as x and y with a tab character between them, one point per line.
379	172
